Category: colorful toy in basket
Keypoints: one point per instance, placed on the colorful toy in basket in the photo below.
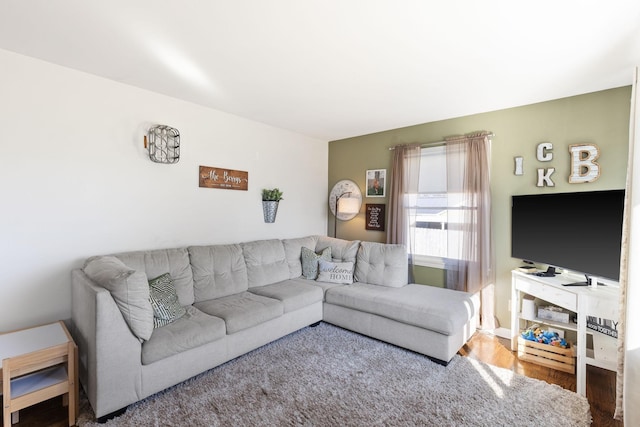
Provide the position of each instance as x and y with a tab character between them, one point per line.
537	334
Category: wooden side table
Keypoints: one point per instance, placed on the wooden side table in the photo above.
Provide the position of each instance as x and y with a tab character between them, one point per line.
38	364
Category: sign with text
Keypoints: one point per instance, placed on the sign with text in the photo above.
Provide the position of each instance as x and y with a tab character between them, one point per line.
375	217
227	179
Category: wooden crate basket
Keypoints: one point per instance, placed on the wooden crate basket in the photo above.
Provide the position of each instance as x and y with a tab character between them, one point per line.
562	359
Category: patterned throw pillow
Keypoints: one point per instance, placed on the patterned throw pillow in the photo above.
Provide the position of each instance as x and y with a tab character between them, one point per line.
335	272
164	300
310	261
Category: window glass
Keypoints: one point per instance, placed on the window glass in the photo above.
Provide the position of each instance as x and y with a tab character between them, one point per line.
434	213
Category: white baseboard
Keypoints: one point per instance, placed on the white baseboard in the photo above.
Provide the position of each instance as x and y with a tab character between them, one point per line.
502	333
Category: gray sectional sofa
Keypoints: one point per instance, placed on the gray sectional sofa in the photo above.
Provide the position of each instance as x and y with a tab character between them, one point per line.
210	304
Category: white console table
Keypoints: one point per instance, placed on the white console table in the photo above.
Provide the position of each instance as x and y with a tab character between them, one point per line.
582	300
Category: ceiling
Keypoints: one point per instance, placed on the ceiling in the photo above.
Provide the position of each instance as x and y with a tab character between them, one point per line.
332	69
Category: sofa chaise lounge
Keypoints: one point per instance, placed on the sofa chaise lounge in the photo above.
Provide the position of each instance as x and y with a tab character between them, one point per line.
231	299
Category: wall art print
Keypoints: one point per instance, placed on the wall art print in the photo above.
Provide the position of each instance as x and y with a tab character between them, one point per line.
375	217
376	181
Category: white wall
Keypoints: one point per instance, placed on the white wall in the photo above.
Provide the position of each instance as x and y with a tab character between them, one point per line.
75	180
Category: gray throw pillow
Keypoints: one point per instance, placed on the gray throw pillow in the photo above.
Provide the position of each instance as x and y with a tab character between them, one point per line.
335	272
129	289
310	261
164	300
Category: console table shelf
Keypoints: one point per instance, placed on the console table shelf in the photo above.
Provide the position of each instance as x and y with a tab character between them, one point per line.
582	301
558	325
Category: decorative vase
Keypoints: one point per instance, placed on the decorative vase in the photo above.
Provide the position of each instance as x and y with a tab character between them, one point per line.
269	209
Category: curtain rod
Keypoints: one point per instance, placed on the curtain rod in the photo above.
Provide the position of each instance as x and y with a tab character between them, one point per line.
443	142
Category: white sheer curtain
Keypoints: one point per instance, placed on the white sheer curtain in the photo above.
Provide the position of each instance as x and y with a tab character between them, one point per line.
405	176
471	258
628	375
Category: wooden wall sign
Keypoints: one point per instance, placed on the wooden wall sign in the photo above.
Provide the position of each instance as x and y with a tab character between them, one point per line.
227	179
375	217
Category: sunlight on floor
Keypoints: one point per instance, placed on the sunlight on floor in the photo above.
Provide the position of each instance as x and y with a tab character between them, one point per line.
497	384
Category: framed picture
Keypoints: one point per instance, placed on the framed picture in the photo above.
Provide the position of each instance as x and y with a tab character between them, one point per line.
376	180
374	217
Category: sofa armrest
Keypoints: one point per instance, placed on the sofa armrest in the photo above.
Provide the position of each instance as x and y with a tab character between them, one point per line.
110	356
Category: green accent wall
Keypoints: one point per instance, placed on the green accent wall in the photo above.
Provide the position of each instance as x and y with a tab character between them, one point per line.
600	118
430	276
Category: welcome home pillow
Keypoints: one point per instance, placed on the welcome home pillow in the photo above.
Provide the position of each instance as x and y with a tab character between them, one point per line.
310	261
335	272
164	300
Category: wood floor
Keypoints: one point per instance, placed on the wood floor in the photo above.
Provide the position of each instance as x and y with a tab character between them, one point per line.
601	384
484	347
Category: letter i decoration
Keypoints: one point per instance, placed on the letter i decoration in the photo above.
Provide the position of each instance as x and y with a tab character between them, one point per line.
519	165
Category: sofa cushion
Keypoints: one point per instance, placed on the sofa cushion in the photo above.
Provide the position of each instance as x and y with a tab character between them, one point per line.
440	310
129	289
193	329
292	250
218	271
310	261
382	264
293	293
335	272
243	310
325	286
341	250
157	262
164	301
266	262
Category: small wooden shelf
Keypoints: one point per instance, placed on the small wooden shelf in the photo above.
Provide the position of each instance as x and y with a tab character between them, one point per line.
37	381
38	364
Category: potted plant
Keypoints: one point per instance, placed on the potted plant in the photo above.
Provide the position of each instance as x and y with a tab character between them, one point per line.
270	200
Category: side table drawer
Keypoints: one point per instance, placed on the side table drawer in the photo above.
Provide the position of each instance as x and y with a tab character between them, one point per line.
560	297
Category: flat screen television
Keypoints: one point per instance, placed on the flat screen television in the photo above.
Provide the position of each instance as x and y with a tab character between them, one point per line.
579	231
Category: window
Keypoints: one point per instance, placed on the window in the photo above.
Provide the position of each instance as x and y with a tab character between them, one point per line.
437	211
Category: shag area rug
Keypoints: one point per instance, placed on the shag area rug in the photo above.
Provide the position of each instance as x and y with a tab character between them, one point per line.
328	376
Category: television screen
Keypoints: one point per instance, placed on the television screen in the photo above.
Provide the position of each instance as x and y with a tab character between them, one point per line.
579	231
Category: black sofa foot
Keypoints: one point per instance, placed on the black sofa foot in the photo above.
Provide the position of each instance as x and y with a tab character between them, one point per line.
103	419
438	361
